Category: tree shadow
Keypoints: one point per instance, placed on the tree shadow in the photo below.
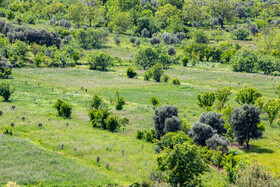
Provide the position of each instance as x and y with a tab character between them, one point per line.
258	149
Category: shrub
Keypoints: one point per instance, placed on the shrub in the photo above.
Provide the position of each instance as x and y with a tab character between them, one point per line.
171	51
99	60
206	100
247	95
139	134
215	120
5	69
176	81
138	42
119	103
244	60
272	107
64	109
173	138
117	41
165	78
155	40
9	131
98	117
157	71
161	115
241	33
199	36
112	123
172	124
130	73
145	33
148	75
95	102
155	102
201	132
217	141
222	95
132	40
6	91
185	61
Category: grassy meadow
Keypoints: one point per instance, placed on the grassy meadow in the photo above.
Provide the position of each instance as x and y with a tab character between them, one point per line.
64	151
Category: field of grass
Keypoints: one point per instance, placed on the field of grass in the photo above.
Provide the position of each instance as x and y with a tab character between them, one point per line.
35	155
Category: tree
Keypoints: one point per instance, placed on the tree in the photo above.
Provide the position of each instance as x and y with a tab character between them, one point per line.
155	102
99	59
146	57
121	22
76	13
161	115
199	36
155	40
244	121
268	64
138	42
132	40
96	102
63	108
206	100
172	124
183	164
6	91
201	132
241	33
173	138
166	13
215	120
171	51
130	73
222	95
93	10
247	95
272	107
157	71
98	117
217	141
112	123
244	60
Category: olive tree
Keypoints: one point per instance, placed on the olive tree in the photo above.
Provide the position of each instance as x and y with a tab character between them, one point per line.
201	132
244	121
214	120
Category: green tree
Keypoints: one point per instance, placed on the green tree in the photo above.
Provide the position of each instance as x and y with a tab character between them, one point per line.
112	123
130	73
96	102
182	164
146	57
247	95
244	121
99	60
244	61
241	33
155	101
272	107
76	13
206	100
93	10
157	71
222	95
6	91
63	108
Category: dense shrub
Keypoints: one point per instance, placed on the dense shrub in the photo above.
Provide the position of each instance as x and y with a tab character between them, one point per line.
132	40
185	61
95	102
155	40
157	71
215	120
173	138
99	60
91	38
201	132
247	95
6	91
155	101
98	117
171	51
176	81
244	60
9	131
5	69
268	64
63	108
117	41
206	100
241	33
217	141
160	117
130	73
112	123
64	23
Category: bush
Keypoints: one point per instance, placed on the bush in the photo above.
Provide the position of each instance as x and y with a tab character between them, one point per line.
119	103
6	91
155	40
173	138
185	61
139	134
117	41
155	102
206	100
132	40
138	42
157	71
161	115
176	81
241	33
172	124
215	120
130	73
96	102
171	51
112	123
98	117
244	61
199	36
64	109
201	132
217	141
99	60
247	95
9	131
165	78
148	75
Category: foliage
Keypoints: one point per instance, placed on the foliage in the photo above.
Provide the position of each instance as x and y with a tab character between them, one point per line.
131	73
222	95
244	60
183	164
247	95
244	121
272	107
91	38
199	36
201	132
112	123
9	131
214	120
63	108
155	102
157	71
100	60
173	138
98	117
268	64
6	91
206	100
241	33
146	57
185	61
217	141
160	120
96	102
176	81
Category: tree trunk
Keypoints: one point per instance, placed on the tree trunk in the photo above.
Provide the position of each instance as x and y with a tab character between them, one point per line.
90	22
247	145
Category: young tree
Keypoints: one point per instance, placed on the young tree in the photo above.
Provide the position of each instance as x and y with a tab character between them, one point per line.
76	13
146	57
130	73
206	100
155	102
272	107
201	132
157	71
222	95
63	108
244	61
247	95
215	120
99	59
95	102
6	91
244	121
183	164
241	33
132	40
160	117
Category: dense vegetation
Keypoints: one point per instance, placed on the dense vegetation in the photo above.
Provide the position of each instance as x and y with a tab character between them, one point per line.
139	92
